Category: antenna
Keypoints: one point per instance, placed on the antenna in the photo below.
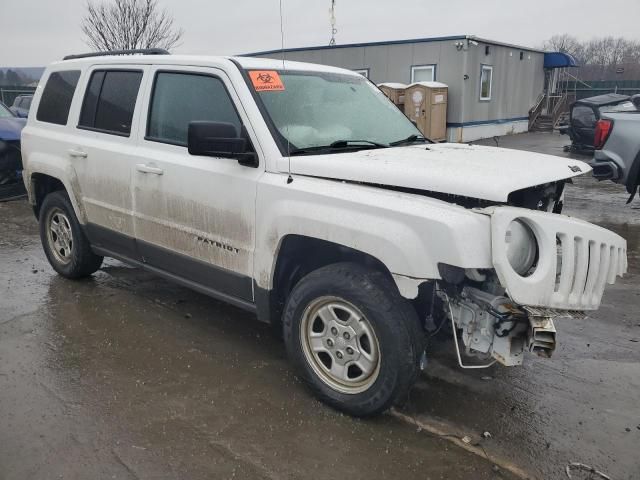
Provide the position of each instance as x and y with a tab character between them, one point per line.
332	19
284	68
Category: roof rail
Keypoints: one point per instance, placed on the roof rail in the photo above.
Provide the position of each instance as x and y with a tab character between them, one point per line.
143	51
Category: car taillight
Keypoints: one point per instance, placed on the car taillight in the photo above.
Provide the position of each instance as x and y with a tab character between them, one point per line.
603	130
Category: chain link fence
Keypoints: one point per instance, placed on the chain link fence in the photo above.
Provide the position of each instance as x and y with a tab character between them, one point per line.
623	87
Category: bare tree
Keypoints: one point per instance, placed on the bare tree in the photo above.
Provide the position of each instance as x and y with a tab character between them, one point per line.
562	43
605	51
566	44
129	24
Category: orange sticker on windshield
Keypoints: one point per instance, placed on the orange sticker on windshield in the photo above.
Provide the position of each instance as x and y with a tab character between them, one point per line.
264	80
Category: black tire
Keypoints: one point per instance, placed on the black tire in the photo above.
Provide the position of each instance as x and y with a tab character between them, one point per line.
81	261
392	319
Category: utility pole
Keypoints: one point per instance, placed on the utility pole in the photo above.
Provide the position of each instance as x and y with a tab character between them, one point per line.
332	18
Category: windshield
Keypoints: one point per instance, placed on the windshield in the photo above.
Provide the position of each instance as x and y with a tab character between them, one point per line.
316	109
5	112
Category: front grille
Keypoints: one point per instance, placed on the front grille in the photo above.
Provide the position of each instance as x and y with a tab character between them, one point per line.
584	268
576	260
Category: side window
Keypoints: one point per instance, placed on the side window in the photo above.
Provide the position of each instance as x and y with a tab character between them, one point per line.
180	98
110	100
56	97
583	116
486	80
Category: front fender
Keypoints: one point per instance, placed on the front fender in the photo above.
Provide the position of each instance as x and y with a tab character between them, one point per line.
409	234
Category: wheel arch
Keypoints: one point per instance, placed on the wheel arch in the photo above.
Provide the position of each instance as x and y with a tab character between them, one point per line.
41	184
298	255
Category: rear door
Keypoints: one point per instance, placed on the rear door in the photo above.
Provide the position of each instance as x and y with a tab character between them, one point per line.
194	215
103	155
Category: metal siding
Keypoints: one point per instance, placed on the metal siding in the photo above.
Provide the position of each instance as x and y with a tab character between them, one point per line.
399	59
376	59
426	54
516	83
351	58
310	57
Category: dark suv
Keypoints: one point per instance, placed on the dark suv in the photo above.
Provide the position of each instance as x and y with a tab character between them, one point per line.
584	116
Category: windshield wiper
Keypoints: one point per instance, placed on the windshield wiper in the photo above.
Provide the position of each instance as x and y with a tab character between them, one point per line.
339	145
410	139
352	143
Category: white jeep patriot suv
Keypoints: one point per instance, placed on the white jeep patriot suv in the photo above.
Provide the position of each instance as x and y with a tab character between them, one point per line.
301	193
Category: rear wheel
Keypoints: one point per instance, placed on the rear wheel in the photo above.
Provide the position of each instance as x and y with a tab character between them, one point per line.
63	240
354	339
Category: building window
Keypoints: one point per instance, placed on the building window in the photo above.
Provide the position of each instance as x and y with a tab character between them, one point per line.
486	79
423	73
363	71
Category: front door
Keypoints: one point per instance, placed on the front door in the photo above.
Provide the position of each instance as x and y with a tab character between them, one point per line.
194	215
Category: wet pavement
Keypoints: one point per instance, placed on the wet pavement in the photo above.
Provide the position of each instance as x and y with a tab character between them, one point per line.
125	375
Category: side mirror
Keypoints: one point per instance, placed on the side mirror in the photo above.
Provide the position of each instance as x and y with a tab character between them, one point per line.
218	139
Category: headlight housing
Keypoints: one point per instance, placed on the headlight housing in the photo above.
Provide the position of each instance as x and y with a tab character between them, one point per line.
522	247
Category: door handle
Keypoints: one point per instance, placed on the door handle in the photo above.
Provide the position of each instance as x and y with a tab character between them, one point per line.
76	153
141	167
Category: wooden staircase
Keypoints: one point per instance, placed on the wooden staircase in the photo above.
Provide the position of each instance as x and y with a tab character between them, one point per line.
545	116
543	123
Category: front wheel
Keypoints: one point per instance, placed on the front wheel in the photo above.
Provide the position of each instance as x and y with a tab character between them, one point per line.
354	339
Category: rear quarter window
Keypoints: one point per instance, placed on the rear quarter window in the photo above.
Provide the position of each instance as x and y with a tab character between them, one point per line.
57	96
583	116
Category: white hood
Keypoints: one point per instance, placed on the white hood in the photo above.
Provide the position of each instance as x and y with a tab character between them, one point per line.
474	171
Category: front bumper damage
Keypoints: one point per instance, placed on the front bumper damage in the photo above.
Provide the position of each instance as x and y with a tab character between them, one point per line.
493	326
503	317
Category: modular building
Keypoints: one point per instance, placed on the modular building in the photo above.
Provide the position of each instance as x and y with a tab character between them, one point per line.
492	85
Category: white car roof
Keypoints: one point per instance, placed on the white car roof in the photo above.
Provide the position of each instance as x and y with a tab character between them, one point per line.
279	64
198	60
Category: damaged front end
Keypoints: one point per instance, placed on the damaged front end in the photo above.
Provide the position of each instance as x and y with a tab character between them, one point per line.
493	326
546	266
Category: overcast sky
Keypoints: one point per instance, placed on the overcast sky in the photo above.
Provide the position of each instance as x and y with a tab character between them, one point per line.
36	32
